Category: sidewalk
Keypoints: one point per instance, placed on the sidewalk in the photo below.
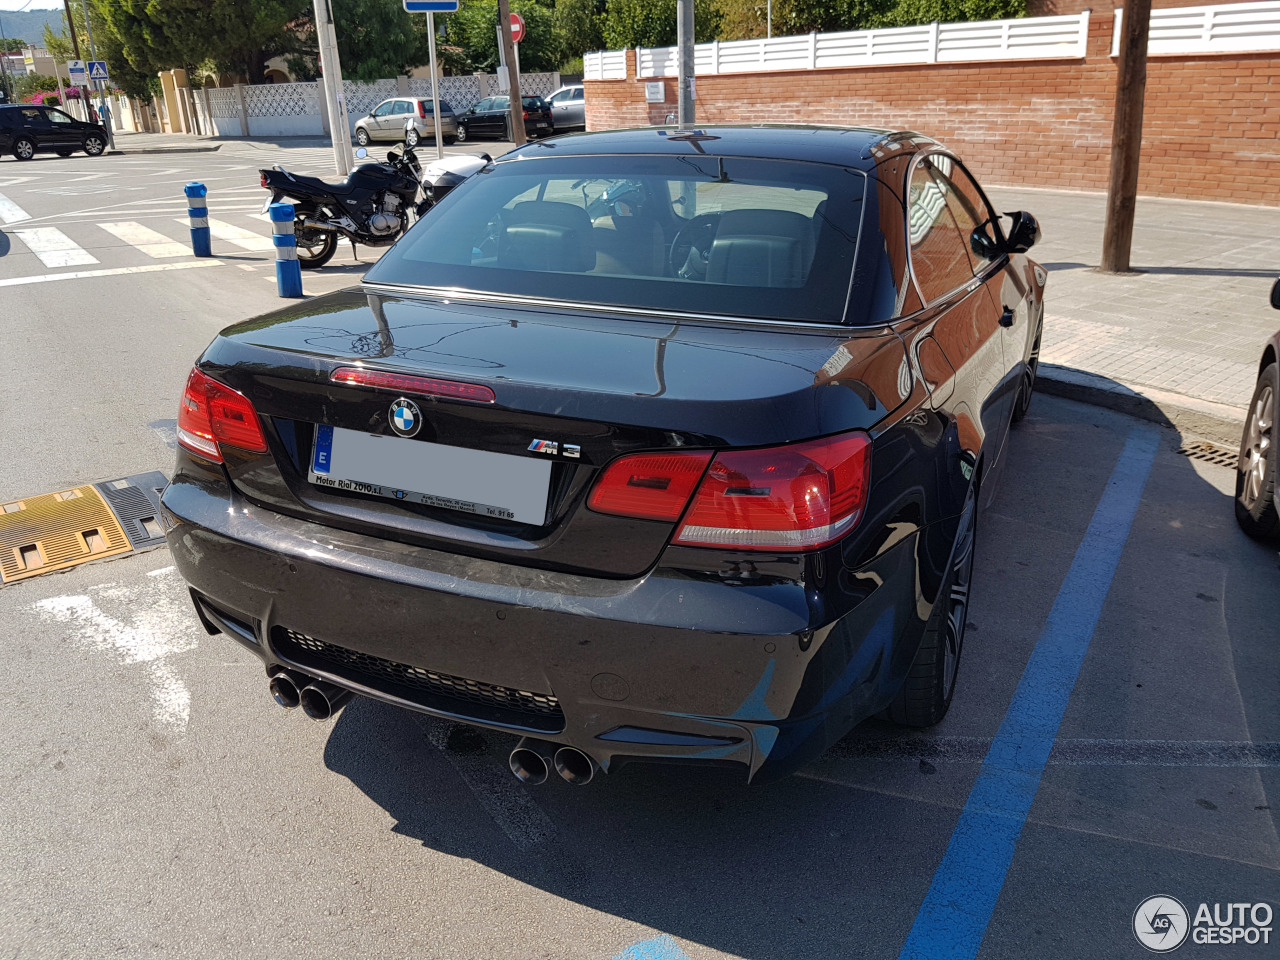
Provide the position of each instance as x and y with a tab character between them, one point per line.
1186	333
130	141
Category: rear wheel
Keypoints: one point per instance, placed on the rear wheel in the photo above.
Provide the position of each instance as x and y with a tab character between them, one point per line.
362	137
1256	469
462	134
411	138
315	247
24	148
926	695
450	141
94	145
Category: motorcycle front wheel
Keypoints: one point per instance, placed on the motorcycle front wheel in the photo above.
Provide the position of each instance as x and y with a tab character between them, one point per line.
315	247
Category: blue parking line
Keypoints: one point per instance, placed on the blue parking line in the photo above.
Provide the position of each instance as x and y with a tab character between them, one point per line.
953	918
659	948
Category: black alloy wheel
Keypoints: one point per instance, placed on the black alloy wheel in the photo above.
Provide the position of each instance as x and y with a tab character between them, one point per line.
926	695
1256	468
1023	403
94	145
315	247
24	148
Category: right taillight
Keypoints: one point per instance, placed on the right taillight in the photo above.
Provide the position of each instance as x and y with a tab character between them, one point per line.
211	413
798	497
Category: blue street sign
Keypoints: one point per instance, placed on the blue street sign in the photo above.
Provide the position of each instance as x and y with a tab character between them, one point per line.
75	69
97	69
431	6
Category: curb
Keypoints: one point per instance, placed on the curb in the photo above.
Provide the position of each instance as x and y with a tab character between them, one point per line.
145	150
1206	419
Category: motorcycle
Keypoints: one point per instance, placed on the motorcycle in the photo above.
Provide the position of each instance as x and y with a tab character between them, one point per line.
442	175
371	206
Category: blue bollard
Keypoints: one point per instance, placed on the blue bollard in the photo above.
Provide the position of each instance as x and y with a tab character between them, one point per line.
198	211
288	270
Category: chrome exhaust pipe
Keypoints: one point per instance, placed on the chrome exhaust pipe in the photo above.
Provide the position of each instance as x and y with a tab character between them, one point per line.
321	700
574	766
319	225
531	760
286	687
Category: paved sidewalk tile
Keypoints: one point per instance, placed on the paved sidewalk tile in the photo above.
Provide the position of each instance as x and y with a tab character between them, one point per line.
1192	322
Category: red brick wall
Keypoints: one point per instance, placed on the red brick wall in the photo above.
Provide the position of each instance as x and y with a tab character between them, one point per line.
1209	132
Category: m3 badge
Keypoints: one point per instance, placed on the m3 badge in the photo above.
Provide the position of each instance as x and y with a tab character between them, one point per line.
553	447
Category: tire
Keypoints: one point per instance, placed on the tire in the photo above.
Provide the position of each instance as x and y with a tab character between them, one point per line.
411	139
362	137
320	248
1256	468
24	148
450	141
65	153
926	694
94	145
462	134
1023	403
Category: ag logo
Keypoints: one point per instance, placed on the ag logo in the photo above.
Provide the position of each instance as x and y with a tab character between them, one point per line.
1161	924
405	417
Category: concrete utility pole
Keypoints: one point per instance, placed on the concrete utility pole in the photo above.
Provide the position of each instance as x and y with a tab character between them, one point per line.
684	56
102	87
331	74
75	46
516	104
1126	136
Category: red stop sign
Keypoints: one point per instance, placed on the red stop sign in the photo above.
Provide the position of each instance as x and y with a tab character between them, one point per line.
517	28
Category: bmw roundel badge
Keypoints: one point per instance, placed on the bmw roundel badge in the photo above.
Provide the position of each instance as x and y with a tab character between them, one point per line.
405	417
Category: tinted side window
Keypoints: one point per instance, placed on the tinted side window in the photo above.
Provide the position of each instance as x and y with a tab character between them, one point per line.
939	252
404	106
974	218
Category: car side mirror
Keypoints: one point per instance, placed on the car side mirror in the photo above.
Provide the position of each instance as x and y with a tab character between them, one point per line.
1023	234
1275	295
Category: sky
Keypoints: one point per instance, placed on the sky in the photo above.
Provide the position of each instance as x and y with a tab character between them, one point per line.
7	6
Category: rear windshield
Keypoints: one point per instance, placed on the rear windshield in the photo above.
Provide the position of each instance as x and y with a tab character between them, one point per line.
700	234
428	108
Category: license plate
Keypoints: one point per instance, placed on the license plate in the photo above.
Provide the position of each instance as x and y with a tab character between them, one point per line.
266	204
416	471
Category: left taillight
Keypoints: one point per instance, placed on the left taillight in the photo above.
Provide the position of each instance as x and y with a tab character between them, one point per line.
262	178
211	413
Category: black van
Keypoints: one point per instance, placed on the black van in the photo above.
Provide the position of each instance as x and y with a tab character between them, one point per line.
26	128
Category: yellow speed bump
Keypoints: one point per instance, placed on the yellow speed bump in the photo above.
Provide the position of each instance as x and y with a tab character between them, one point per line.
55	531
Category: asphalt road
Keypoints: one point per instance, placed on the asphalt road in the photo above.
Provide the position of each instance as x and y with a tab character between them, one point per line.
157	803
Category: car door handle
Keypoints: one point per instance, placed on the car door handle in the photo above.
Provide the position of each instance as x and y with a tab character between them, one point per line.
1006	318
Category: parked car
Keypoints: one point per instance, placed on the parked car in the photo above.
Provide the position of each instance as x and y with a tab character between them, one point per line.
27	129
641	444
389	120
1257	486
568	108
492	118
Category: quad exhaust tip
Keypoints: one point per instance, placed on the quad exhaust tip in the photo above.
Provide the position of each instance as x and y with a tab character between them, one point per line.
533	760
286	687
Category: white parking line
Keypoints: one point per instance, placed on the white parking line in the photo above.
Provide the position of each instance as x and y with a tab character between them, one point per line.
245	239
145	239
55	248
110	272
10	212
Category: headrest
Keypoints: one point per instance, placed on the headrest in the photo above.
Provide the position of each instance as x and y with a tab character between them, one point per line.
546	235
762	248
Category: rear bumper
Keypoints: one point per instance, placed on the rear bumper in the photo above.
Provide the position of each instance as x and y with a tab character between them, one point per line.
662	667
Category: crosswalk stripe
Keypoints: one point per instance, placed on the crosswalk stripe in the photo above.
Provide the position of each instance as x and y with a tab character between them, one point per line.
54	248
150	242
245	239
10	212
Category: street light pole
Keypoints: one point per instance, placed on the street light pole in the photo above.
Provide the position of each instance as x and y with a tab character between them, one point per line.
331	74
684	56
102	95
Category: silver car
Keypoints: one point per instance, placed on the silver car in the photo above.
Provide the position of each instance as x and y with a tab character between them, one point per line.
387	121
568	108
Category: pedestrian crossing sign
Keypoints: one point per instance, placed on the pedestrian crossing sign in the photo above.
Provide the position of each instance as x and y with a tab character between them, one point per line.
97	69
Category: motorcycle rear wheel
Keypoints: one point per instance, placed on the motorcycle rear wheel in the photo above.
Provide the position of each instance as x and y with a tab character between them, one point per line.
315	248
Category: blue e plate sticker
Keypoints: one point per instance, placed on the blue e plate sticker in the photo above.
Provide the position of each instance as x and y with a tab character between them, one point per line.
322	456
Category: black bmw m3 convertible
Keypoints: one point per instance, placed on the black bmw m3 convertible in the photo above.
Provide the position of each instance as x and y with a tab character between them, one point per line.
649	444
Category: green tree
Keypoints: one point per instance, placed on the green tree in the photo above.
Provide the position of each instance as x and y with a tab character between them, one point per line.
578	27
377	39
11	45
473	28
652	23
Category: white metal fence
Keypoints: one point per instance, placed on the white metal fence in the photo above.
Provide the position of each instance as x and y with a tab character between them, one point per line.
1226	28
605	65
